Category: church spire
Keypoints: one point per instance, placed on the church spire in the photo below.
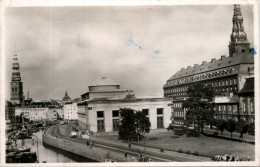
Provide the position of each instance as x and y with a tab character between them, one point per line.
16	82
16	69
239	42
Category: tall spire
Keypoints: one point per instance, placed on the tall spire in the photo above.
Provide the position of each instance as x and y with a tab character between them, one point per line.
16	69
239	42
16	84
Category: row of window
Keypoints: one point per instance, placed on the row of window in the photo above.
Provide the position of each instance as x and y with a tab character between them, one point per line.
228	82
248	107
178	114
178	122
229	108
201	76
115	113
14	90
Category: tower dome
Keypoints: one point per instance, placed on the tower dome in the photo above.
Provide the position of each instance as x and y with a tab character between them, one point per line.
103	84
104	81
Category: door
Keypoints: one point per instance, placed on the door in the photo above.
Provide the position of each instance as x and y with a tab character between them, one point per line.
160	122
115	124
100	126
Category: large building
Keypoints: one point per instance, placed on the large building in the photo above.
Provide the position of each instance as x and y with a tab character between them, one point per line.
40	111
16	84
70	111
227	75
100	110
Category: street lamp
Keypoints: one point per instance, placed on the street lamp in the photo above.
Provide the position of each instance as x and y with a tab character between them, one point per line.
38	156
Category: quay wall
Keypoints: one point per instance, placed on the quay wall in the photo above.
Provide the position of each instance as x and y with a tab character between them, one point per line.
95	153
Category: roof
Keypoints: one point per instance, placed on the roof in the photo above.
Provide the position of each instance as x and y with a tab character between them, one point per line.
225	100
103	81
242	58
111	100
248	87
38	105
8	104
66	97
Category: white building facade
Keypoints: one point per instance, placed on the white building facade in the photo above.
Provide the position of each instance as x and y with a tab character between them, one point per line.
101	112
70	111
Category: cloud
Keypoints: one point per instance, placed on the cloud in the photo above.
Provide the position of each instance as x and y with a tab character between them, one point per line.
66	48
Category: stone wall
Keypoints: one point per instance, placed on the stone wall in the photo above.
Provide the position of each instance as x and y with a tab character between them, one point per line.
80	148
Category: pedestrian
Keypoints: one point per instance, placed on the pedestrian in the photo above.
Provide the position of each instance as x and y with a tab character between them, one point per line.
108	155
125	154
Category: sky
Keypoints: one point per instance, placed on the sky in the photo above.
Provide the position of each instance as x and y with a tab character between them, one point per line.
139	47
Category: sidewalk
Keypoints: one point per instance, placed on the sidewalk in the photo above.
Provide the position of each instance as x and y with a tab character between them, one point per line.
170	155
235	135
174	154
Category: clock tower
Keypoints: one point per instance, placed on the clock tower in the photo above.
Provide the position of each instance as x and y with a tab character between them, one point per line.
16	83
239	42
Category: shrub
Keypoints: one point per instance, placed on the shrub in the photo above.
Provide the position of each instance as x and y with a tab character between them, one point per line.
180	151
188	152
196	153
152	138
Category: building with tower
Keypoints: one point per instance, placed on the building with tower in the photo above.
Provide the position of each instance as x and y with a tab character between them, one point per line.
16	84
227	75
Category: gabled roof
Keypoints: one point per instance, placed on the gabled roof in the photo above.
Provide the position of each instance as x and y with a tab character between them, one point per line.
242	58
248	87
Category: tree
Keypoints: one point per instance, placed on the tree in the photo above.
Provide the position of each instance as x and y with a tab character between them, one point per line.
134	125
142	124
251	128
221	125
200	105
231	126
242	127
127	127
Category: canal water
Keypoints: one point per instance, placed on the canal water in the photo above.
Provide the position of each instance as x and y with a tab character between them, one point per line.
48	153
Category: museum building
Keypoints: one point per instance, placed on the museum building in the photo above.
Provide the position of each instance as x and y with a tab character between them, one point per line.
100	109
227	76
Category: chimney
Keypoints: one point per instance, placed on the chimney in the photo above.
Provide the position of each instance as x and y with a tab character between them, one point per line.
188	67
195	65
222	57
213	60
204	62
182	69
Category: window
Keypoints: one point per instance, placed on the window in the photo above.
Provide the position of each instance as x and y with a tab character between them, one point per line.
219	83
115	113
159	111
226	82
223	83
145	111
230	82
252	106
235	81
100	114
244	106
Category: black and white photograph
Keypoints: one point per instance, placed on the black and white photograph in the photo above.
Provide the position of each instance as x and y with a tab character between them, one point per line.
129	83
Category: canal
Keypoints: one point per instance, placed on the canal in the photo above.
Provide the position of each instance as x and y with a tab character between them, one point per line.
48	153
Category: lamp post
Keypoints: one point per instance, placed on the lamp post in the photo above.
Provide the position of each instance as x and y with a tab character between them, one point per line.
38	156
